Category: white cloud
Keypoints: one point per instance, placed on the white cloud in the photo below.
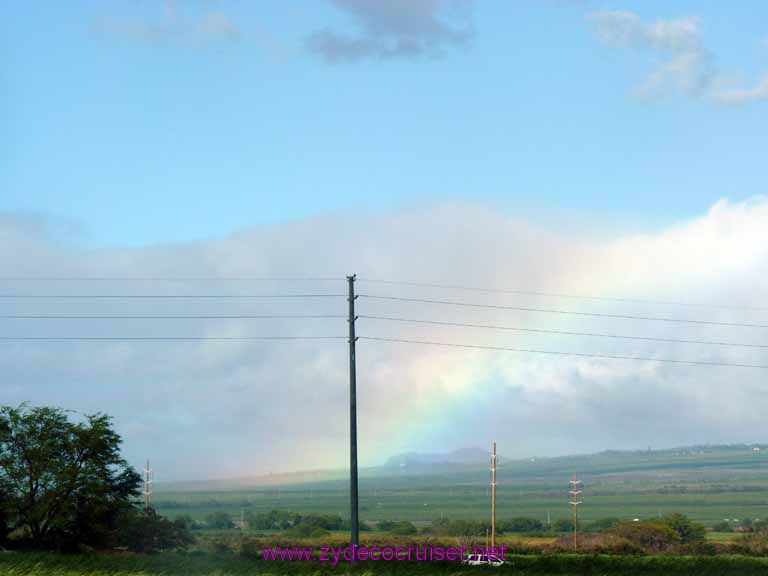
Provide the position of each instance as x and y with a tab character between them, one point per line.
744	95
681	61
195	23
261	406
396	29
683	64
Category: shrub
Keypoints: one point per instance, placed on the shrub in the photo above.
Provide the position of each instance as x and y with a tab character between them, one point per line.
520	525
219	520
148	532
688	530
403	529
650	536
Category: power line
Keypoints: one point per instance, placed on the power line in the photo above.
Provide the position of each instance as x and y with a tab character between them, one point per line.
163	338
167	296
571	312
560	353
563	332
198	317
169	278
560	295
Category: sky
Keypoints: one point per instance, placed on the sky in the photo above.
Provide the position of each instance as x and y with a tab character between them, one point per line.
611	149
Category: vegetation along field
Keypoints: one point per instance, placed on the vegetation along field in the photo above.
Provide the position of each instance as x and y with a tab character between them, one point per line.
708	484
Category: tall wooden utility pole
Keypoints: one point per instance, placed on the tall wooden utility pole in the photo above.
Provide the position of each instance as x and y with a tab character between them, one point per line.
574	492
354	528
493	497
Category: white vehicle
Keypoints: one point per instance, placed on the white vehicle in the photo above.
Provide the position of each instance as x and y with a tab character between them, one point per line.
481	559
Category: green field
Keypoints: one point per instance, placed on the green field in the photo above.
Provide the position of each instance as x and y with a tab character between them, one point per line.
707	484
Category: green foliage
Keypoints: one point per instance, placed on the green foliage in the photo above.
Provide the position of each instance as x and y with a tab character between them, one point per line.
520	525
403	529
687	530
562	525
184	522
147	532
650	536
282	520
723	526
62	484
601	524
219	521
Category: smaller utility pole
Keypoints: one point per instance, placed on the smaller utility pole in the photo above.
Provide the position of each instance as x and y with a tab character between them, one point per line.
493	497
147	490
574	492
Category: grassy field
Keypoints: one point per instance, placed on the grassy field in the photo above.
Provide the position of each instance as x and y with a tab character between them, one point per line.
706	484
18	564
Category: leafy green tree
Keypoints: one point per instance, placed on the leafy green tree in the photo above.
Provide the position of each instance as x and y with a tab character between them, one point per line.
147	532
403	528
5	510
65	482
601	524
219	521
520	525
651	536
184	521
723	526
688	530
562	525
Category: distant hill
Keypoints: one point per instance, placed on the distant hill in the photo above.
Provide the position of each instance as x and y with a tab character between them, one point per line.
719	463
464	456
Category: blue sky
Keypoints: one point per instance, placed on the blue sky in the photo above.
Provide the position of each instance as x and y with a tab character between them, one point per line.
554	146
138	122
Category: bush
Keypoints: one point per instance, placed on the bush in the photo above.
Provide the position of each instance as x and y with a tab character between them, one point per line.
219	521
403	529
723	526
602	524
650	536
688	530
596	544
753	544
520	525
148	532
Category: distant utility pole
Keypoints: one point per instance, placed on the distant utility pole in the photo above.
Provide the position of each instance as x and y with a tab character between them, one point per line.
574	492
493	497
354	528
147	490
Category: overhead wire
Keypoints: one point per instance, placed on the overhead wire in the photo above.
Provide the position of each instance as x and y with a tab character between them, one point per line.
560	295
556	311
561	332
561	353
166	296
150	338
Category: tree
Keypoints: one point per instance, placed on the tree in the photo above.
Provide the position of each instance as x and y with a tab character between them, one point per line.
687	530
65	482
652	536
403	528
5	506
147	532
219	520
520	525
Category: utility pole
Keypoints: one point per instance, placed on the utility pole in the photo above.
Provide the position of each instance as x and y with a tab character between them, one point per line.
354	528
493	497
147	482
574	492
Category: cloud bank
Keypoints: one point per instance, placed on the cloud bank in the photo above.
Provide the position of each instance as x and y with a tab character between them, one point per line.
216	408
397	29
